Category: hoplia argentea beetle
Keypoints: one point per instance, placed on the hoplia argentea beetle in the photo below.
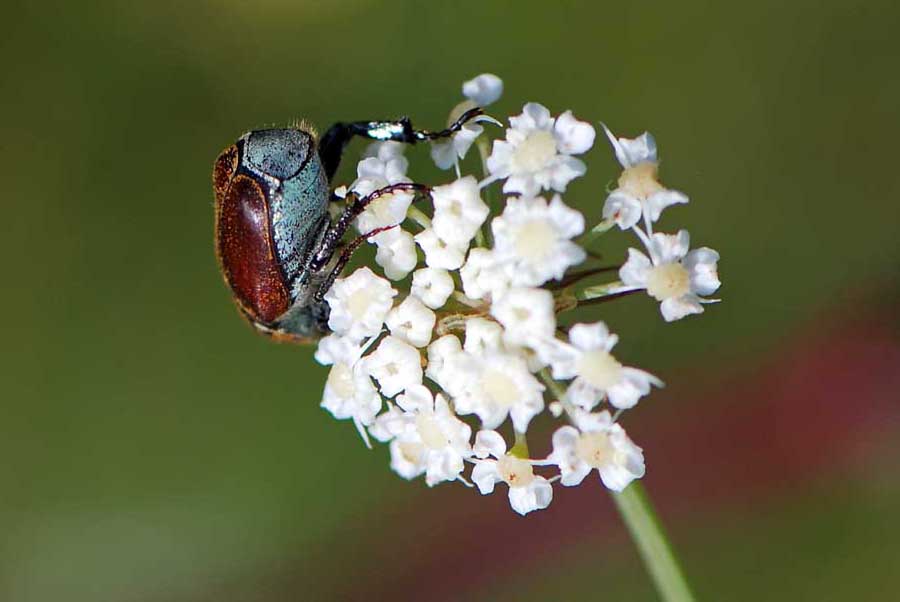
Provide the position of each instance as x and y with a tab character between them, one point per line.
275	240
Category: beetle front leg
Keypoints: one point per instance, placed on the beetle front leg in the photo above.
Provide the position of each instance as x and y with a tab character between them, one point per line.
338	136
355	206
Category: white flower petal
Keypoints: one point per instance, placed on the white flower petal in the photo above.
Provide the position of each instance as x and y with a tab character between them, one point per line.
526	314
417	398
350	394
458	211
498	162
592	336
407	458
485	475
438	252
443	153
534	116
634	385
482	336
679	307
658	201
669	248
537	495
588	422
489	443
412	322
482	276
385	150
702	265
564	171
636	270
573	137
396	365
623	209
432	286
359	304
396	253
483	89
335	348
439	368
629	151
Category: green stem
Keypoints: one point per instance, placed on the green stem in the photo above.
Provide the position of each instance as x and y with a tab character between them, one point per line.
598	291
481	238
651	541
520	447
418	216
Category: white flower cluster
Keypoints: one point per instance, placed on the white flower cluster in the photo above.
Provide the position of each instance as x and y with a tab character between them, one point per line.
476	343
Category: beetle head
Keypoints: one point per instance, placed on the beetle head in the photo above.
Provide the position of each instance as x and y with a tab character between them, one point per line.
279	153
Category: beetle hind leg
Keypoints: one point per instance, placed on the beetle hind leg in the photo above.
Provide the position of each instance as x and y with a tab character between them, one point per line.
344	257
355	206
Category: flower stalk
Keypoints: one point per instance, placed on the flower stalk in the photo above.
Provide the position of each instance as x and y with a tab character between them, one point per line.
652	543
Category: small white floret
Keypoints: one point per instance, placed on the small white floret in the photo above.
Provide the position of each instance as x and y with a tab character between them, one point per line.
598	375
440	367
533	240
494	386
527	491
596	443
527	316
483	276
433	286
395	364
349	392
425	437
458	211
676	277
396	253
412	322
639	193
438	252
359	304
483	89
537	152
386	168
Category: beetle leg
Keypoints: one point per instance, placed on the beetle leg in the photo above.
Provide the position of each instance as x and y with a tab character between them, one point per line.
346	253
355	206
338	136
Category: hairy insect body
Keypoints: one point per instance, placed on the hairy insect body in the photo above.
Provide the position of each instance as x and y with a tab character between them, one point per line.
276	245
272	207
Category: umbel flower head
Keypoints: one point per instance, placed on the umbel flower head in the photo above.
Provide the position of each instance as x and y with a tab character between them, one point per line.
463	332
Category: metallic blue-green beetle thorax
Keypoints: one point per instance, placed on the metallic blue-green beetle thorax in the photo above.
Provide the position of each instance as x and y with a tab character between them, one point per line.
286	159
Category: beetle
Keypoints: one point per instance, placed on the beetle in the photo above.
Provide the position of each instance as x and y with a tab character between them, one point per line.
274	239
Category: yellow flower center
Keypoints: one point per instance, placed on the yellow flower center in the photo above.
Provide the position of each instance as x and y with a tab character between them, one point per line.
535	240
533	153
358	302
429	431
455	208
667	281
340	379
595	449
641	181
499	388
412	452
599	368
516	472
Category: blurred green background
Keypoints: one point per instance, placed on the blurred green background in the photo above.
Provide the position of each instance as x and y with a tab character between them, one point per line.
153	448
